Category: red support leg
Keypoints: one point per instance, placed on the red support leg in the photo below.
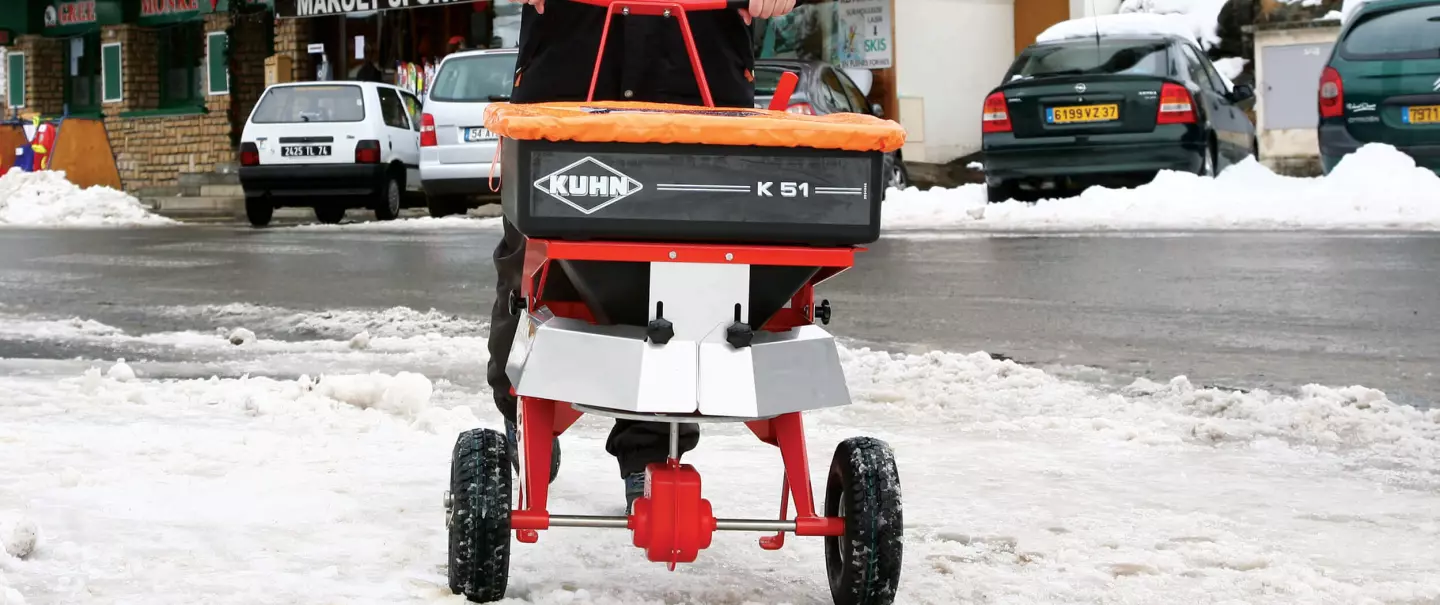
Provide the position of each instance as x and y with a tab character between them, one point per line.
541	421
788	433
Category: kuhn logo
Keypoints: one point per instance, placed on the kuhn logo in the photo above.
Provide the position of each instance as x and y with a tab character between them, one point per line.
588	185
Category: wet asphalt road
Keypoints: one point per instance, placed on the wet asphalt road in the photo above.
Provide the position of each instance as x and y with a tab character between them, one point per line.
1242	310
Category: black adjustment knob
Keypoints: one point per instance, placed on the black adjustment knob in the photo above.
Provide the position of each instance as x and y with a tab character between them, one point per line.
822	312
660	331
739	335
517	302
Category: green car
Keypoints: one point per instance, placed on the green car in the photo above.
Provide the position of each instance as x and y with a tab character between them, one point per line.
1382	83
1111	111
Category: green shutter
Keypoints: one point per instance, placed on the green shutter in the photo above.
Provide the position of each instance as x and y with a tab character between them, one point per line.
15	75
110	72
217	63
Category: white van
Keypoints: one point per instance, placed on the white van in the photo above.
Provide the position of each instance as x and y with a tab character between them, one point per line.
457	152
331	146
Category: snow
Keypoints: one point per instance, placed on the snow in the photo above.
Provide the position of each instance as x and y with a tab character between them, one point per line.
1195	20
18	536
47	199
1020	486
1118	25
419	223
1376	188
1230	68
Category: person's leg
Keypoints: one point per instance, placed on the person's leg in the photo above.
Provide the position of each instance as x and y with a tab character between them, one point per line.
509	260
636	444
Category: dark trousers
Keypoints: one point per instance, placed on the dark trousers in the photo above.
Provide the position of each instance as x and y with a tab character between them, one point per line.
634	444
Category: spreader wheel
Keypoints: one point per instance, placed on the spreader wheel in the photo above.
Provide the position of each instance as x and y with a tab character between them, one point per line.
864	489
478	516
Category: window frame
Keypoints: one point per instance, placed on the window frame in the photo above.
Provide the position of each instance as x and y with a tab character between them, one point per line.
195	45
1343	44
91	42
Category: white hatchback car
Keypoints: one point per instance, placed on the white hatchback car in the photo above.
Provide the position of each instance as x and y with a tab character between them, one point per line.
456	151
331	146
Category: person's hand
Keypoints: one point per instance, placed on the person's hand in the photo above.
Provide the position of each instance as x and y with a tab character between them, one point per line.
538	4
764	9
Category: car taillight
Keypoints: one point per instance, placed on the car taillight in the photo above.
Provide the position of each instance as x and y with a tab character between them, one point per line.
427	131
1332	94
249	154
367	152
801	108
1176	105
995	117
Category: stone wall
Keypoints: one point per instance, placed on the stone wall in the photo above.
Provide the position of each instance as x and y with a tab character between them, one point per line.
44	64
154	150
291	38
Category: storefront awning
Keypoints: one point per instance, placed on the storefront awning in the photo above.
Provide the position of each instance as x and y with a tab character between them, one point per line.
14	22
288	9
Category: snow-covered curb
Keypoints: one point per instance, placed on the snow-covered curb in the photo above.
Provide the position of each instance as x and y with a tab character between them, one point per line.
47	199
1376	188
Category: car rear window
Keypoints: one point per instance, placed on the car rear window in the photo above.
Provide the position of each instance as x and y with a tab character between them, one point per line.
1089	58
767	81
477	78
317	103
1407	33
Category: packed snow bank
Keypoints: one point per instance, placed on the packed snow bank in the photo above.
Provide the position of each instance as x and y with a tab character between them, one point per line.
419	223
1018	484
1376	188
334	323
46	198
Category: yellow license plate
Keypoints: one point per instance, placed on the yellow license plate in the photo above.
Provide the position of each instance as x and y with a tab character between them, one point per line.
1083	113
1422	114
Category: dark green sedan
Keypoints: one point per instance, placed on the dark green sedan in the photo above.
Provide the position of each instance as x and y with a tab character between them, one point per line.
1382	83
1110	111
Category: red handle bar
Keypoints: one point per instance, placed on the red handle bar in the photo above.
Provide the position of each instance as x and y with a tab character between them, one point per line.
661	8
689	5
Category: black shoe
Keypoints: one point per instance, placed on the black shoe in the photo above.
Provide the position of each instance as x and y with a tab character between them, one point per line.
515	453
634	489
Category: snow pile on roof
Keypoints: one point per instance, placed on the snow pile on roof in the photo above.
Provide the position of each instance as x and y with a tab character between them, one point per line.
1119	25
46	198
1196	20
1377	187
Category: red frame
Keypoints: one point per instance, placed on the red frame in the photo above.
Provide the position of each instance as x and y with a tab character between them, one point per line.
678	509
541	420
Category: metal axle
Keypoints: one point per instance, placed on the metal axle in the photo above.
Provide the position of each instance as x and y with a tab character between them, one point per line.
601	522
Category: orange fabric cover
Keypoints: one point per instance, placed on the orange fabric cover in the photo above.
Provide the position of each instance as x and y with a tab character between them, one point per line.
631	122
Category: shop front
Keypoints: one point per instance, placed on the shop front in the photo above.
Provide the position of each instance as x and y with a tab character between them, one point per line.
854	35
170	80
394	41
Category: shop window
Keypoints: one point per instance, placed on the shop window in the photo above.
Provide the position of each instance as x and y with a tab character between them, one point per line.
82	73
182	61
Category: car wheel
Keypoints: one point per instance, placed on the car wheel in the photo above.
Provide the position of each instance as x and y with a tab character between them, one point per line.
445	205
388	208
1207	163
330	214
259	211
899	177
1001	192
